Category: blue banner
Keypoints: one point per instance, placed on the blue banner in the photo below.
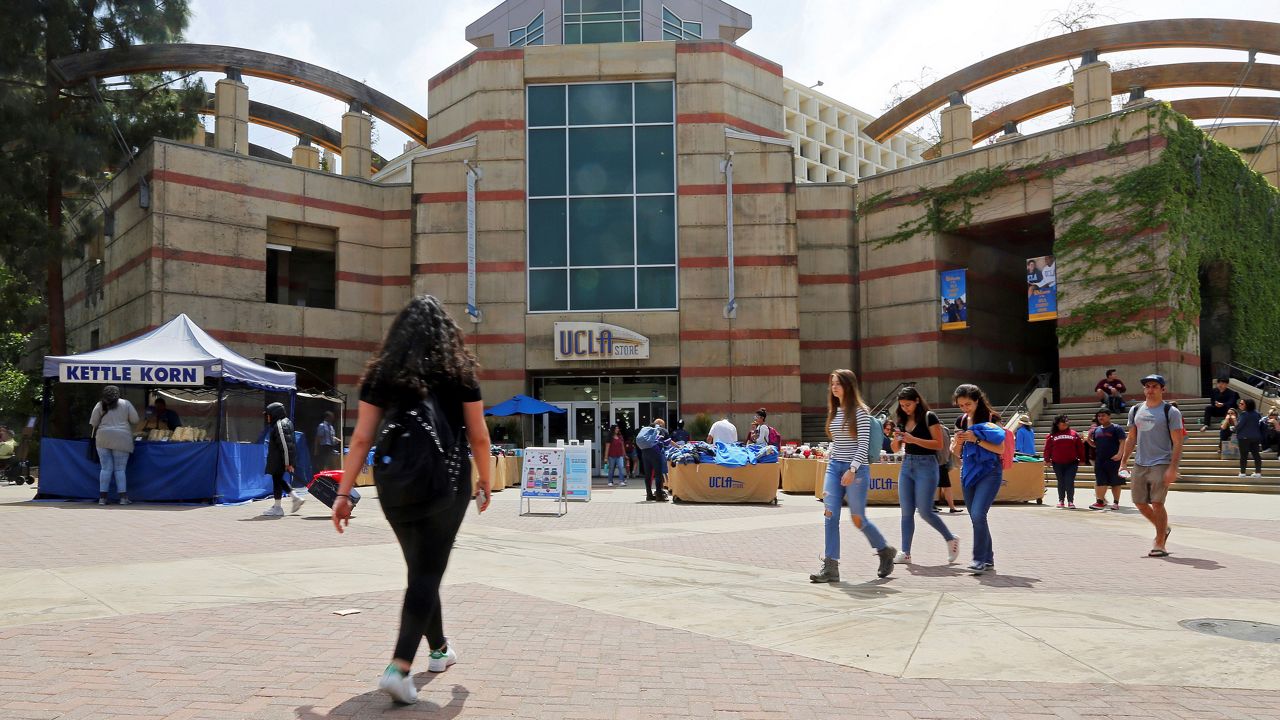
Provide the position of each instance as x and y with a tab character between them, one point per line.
955	312
1042	289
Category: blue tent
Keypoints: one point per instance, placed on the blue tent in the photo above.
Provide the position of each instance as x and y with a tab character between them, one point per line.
523	405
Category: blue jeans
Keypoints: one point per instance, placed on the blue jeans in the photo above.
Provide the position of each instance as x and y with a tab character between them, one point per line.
112	463
856	494
620	464
917	487
978	498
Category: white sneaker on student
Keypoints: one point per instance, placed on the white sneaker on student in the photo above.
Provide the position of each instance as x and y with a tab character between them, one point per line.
1242	475
298	501
902	558
953	549
273	511
1255	475
440	661
398	685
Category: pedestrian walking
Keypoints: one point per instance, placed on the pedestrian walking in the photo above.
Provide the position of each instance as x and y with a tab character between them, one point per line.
980	445
282	453
848	476
1107	439
617	456
1064	451
920	436
1250	431
1155	432
328	448
422	359
113	419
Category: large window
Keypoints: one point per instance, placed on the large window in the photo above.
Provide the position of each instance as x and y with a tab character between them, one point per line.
601	21
301	266
530	34
602	204
674	28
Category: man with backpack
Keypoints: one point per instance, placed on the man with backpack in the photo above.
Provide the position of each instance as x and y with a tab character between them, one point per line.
1155	430
652	440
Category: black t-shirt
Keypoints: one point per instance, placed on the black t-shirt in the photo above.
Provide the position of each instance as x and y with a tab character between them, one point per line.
924	434
449	395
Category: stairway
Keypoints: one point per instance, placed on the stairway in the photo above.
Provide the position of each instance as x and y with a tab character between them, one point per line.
1201	469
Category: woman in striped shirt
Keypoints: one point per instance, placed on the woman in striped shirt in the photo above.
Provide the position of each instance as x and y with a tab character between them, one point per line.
848	475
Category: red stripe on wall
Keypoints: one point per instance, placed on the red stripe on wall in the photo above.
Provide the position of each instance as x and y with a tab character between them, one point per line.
461	196
829	214
904	269
721	261
826	279
347	379
740	371
204	258
813	410
1134	358
278	196
712	46
484	55
746	334
478	126
815	378
303	341
495	339
828	344
501	374
740	407
738	189
366	279
933	372
485	267
726	119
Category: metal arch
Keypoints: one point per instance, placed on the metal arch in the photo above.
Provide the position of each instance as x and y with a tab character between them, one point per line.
74	69
1242	106
1263	37
1209	74
278	118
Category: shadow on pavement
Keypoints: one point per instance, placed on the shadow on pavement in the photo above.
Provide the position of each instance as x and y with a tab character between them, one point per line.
869	590
993	579
934	570
112	506
376	704
1195	563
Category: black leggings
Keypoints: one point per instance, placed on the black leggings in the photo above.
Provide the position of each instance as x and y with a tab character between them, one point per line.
426	545
655	466
1246	448
279	486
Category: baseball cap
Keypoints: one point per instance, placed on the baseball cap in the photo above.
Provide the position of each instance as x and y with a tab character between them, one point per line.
1152	378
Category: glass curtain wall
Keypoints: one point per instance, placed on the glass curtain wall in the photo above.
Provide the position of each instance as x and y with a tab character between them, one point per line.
601	21
601	199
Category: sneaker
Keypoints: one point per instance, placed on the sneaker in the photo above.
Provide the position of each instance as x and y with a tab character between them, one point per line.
887	554
1099	505
126	501
1116	506
102	501
976	568
902	558
1255	475
273	511
298	502
953	549
954	511
440	661
610	483
398	685
624	483
1071	506
1060	506
1242	475
1203	428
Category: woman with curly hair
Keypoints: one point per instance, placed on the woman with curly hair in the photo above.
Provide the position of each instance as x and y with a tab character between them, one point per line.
423	354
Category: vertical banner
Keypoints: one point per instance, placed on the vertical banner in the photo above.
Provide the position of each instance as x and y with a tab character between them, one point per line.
955	312
577	470
473	176
1042	289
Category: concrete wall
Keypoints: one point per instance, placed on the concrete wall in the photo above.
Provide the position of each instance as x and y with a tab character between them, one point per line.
825	233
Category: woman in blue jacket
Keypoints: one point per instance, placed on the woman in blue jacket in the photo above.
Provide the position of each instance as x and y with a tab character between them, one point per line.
979	446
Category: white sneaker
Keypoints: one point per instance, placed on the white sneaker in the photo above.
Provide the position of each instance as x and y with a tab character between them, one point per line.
902	558
440	661
399	687
273	511
1255	475
1242	475
610	483
976	568
623	483
298	502
953	549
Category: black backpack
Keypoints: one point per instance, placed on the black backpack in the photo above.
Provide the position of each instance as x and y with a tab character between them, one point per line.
418	458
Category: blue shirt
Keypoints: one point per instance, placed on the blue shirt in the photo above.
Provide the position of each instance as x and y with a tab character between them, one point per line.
1107	440
978	462
1025	441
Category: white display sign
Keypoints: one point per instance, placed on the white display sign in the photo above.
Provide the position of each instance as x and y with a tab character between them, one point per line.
542	478
577	471
168	375
598	341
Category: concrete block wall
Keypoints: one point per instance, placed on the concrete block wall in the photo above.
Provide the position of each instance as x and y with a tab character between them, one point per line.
825	238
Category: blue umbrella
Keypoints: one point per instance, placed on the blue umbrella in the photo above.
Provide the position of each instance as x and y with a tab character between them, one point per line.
523	405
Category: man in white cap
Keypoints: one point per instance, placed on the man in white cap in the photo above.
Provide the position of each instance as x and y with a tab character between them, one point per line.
1155	430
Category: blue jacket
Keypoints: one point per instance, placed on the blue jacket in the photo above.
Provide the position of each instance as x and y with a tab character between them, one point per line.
1025	441
977	462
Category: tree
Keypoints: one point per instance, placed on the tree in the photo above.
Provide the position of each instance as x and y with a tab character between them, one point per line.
57	144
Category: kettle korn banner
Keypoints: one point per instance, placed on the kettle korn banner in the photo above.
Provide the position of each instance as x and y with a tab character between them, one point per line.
1042	289
955	314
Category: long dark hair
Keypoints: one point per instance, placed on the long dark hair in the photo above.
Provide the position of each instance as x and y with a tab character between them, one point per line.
983	412
850	404
1062	420
921	414
424	347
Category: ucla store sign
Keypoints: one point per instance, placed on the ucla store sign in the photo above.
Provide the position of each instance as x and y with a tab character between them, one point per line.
598	341
148	374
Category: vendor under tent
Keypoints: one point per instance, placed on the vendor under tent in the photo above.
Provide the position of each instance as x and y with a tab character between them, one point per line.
190	365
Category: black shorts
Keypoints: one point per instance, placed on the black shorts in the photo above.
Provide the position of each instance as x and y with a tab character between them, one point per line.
1107	473
944	476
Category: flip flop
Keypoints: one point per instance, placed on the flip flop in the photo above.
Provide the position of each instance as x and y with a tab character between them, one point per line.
1167	530
1157	552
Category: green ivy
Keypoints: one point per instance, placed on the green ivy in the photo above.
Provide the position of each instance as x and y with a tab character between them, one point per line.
1206	206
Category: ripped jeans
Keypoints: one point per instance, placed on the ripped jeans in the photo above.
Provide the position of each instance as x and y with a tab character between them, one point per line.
856	494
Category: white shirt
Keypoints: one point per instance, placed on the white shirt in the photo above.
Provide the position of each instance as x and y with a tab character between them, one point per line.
760	434
1048	276
724	431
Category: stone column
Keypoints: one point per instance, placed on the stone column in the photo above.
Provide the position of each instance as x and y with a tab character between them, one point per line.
1092	87
305	154
957	126
231	113
357	143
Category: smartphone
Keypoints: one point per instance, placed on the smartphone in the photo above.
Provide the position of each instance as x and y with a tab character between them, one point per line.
480	498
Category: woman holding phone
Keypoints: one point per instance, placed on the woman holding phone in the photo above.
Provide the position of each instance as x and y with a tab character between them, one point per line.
979	445
919	434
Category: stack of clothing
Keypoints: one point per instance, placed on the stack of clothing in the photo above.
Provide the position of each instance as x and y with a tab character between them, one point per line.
691	453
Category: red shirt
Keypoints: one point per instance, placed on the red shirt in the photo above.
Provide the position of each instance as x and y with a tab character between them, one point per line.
1064	448
1108	386
616	448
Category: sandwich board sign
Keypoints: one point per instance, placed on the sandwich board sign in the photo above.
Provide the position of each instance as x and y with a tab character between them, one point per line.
542	478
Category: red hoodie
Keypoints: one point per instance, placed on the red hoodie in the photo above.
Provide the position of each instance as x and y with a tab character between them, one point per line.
1064	448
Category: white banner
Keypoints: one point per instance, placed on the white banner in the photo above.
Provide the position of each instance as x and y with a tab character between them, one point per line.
169	375
577	471
598	341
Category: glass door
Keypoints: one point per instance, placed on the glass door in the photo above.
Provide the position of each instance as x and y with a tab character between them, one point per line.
627	415
580	421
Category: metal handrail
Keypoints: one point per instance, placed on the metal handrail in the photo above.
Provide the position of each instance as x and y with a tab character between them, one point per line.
1268	383
1019	401
891	397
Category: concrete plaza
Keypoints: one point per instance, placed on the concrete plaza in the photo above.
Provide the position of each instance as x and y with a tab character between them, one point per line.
627	609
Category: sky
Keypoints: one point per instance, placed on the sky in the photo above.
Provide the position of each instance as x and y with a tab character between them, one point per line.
859	49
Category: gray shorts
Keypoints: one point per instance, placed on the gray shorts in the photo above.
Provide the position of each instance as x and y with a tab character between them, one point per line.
1146	484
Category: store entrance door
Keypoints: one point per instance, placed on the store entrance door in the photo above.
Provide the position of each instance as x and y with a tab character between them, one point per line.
626	414
580	421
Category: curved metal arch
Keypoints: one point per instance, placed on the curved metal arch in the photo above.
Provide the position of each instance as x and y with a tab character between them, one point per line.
1201	33
278	118
133	59
1202	108
1210	74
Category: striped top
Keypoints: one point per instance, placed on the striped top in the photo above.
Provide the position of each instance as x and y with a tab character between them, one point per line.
845	448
